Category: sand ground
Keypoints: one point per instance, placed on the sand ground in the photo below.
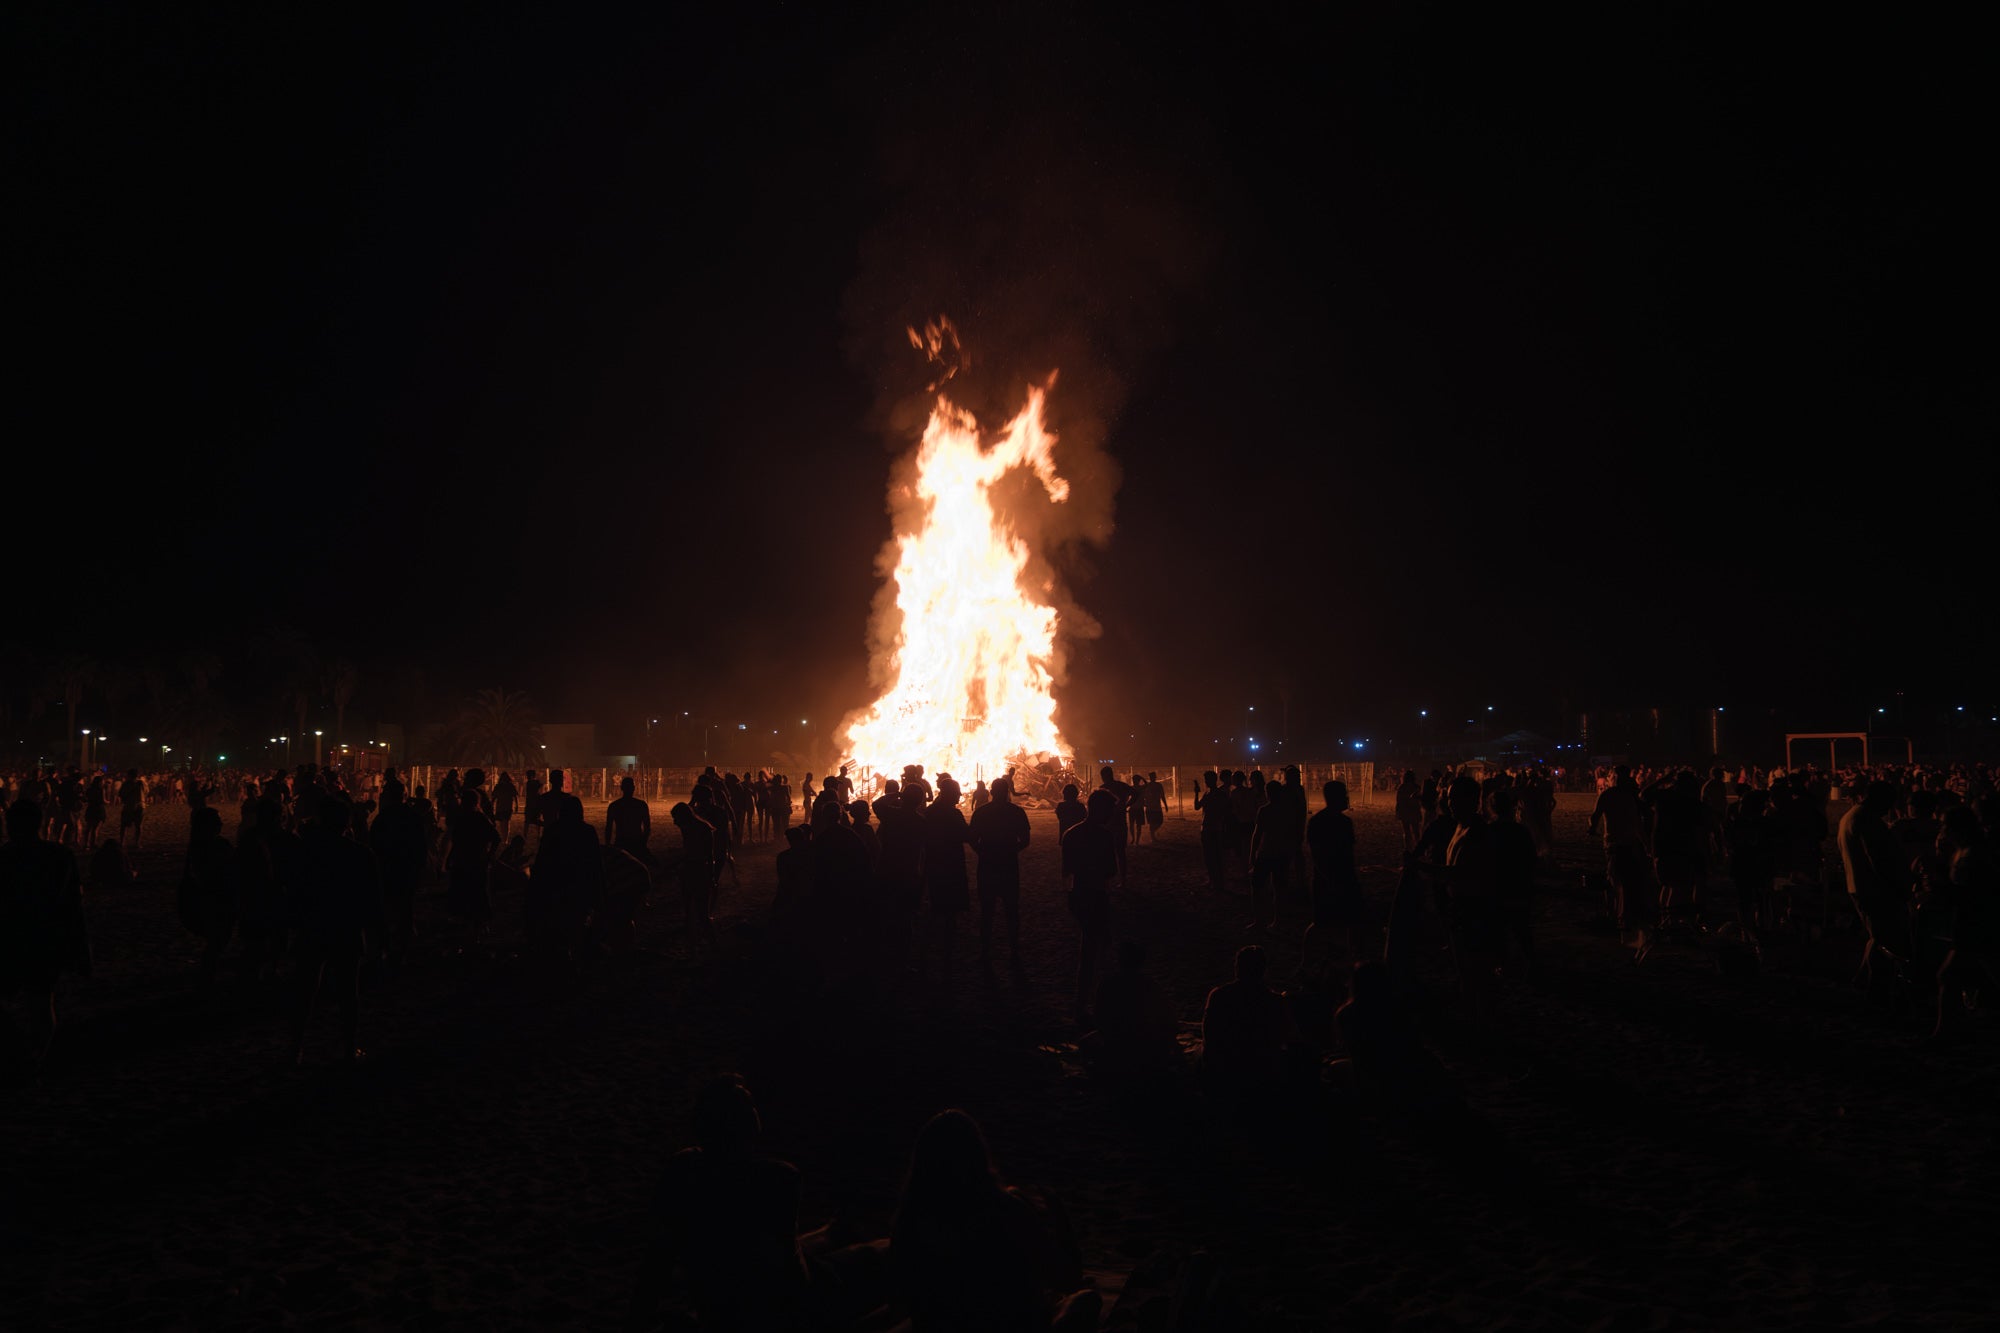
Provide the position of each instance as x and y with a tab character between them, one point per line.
1672	1150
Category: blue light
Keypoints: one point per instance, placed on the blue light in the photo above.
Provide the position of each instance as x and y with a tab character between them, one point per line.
1357	745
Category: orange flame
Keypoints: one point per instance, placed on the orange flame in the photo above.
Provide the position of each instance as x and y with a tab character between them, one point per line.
973	664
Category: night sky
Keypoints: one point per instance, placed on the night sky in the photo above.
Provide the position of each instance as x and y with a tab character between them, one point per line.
1444	358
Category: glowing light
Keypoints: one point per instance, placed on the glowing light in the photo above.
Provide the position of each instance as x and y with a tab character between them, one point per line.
971	672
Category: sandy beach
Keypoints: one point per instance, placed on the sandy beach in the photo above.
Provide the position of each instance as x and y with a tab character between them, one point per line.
1662	1148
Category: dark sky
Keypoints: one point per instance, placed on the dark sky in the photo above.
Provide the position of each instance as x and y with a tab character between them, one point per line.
1447	358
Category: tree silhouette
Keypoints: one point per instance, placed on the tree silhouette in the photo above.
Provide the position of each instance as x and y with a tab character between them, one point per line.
496	726
72	674
341	678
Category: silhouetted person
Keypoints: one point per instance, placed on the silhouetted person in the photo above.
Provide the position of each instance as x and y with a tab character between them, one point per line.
843	886
1678	840
1336	887
1153	799
1090	859
339	905
1878	875
1969	917
706	800
1384	1049
402	846
727	1216
1410	809
1244	802
1751	843
1138	1025
696	869
1619	817
1514	874
999	832
871	841
1244	1027
1274	845
946	892
902	866
93	809
973	1256
1218	829
569	881
1070	811
208	890
131	807
1122	793
42	928
628	823
505	798
110	868
473	842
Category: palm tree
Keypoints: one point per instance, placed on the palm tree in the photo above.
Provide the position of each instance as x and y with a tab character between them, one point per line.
497	726
73	673
341	678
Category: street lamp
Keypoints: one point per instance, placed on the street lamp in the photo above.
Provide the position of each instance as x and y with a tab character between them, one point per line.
316	748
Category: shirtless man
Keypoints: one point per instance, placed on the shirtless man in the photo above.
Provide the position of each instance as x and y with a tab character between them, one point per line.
628	822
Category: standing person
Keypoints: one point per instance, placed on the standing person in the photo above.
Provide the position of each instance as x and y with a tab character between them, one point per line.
69	797
43	933
505	795
1619	818
131	807
945	891
1090	858
398	840
1538	811
711	812
1410	809
697	869
531	805
1153	796
1121	793
208	890
93	809
902	866
339	907
1878	876
628	823
1752	847
1218	829
473	842
1243	805
1336	886
1678	838
1715	799
1070	811
1274	844
1514	874
999	832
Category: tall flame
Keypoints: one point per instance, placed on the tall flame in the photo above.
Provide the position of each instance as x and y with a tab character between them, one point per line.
973	662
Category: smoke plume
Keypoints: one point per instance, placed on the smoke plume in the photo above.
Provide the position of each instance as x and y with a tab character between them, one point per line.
1059	215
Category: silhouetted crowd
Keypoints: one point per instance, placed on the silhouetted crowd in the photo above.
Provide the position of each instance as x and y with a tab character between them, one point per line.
318	881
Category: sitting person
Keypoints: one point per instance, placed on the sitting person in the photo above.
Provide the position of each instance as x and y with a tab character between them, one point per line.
1385	1054
110	868
1138	1028
727	1215
971	1255
1245	1027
